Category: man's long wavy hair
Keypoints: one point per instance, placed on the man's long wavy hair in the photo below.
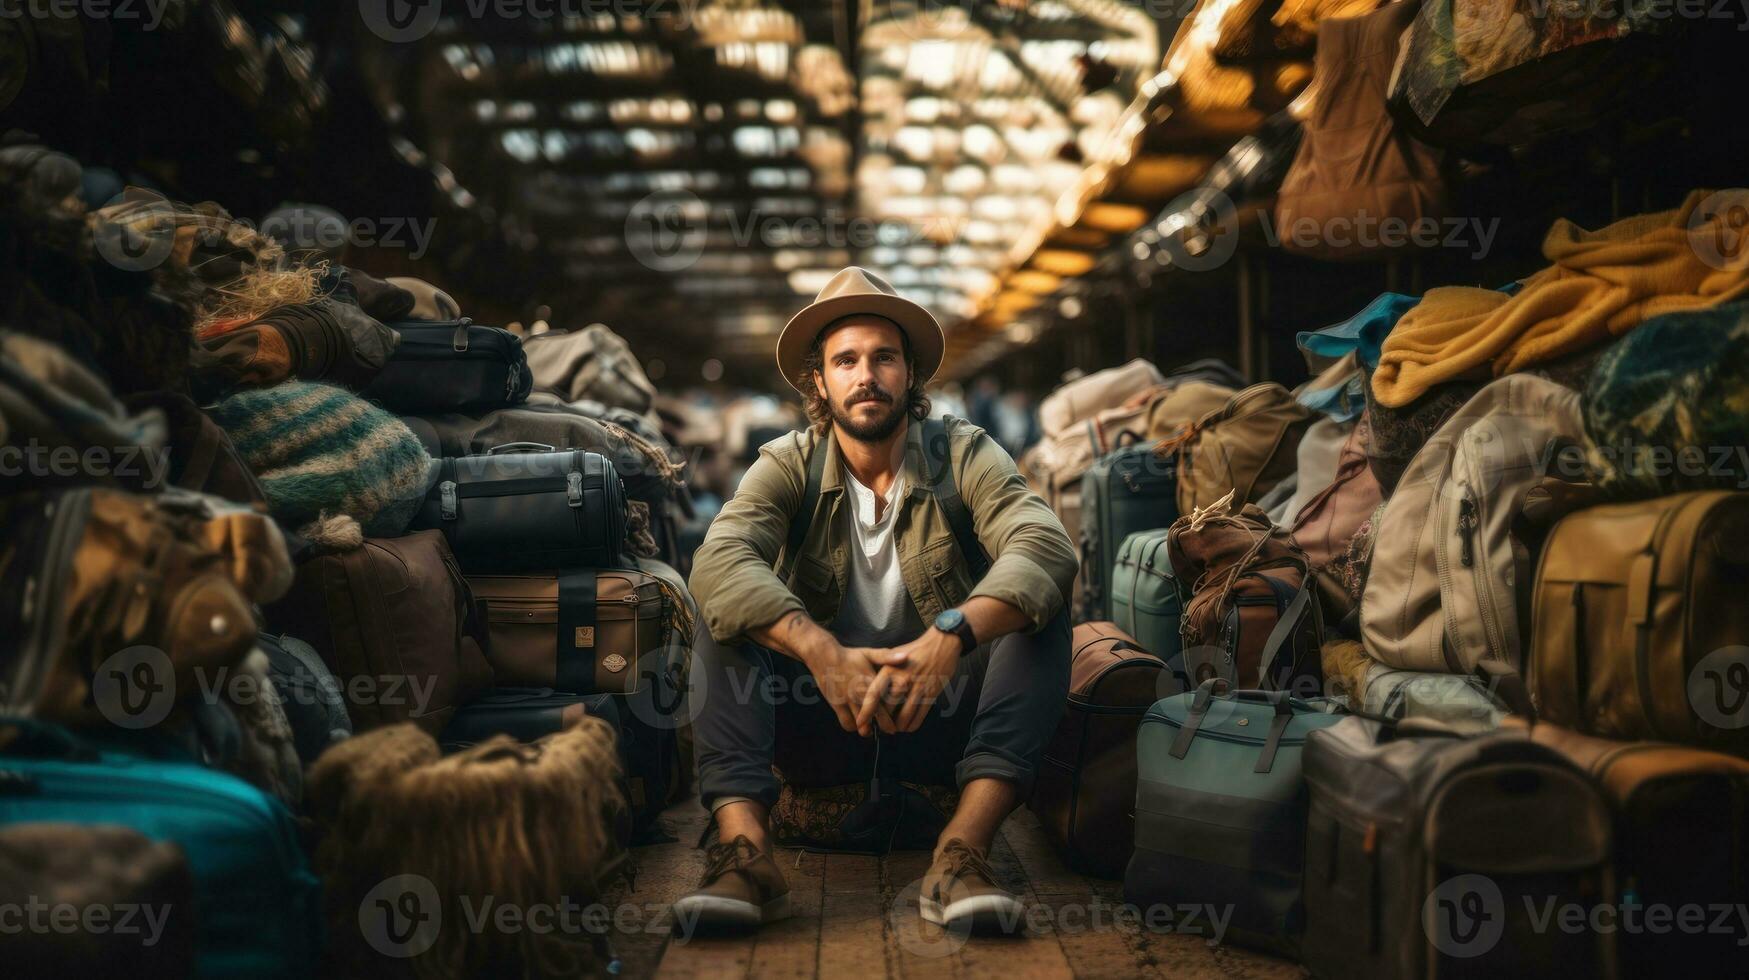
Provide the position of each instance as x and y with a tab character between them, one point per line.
815	404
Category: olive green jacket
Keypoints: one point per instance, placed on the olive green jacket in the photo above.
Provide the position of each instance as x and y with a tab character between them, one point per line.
740	586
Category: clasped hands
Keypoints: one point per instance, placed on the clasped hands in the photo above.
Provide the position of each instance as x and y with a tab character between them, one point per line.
889	689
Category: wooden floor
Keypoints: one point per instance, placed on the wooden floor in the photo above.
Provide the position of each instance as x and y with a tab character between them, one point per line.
856	917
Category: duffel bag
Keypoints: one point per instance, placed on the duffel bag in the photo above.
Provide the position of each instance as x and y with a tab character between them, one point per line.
115	869
528	511
592	363
1680	842
1087	396
257	908
1244	448
578	632
644	466
1639	623
1251	616
1087	783
1126	491
1221	808
451	366
1429	854
395	622
1145	599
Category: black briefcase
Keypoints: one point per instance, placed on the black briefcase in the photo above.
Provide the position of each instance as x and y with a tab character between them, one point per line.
528	511
452	366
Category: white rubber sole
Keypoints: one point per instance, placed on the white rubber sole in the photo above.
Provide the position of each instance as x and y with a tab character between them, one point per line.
983	913
704	912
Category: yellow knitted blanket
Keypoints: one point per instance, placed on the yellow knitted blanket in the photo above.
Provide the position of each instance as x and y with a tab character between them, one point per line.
1601	285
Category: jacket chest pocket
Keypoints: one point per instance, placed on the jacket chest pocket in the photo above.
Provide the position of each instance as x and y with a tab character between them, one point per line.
946	574
814	584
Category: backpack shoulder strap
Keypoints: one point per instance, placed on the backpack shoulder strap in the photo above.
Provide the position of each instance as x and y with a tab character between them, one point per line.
941	484
803	518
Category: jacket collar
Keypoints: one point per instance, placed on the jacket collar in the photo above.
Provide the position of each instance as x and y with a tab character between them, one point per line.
910	465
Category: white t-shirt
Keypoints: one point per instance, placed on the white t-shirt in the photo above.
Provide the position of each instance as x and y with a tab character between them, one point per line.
872	612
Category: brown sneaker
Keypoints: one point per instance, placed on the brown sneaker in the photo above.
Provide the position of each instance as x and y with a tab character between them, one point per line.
742	888
960	891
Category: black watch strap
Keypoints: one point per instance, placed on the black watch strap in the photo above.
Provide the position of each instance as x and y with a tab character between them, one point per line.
968	642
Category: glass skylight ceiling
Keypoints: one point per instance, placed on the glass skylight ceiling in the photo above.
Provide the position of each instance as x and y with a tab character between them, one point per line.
773	143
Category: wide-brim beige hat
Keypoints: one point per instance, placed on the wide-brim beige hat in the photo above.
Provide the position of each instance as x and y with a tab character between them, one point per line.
856	290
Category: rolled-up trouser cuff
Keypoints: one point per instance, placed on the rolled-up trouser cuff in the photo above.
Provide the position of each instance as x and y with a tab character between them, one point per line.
994	765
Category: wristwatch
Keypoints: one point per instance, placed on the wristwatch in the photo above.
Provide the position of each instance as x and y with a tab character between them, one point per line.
953	621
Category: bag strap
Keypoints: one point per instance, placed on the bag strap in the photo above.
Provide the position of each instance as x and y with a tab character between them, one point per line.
1286	625
1284	713
579	641
1199	706
804	516
947	495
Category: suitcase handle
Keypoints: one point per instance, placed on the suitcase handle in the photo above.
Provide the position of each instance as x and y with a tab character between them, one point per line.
519	447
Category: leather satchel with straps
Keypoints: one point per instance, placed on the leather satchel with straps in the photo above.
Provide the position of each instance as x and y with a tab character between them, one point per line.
1251	615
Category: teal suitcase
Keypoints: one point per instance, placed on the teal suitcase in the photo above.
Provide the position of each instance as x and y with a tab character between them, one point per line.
258	907
1125	491
1221	808
1145	600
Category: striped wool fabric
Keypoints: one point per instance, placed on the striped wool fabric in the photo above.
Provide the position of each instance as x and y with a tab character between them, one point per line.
318	449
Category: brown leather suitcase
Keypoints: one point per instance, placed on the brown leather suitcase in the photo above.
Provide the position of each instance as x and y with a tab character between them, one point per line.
580	632
1638	624
395	622
1085	793
1681	839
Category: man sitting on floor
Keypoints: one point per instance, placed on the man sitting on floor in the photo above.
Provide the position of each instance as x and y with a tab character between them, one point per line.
863	523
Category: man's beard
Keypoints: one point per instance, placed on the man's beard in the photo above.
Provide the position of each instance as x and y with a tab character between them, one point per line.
875	430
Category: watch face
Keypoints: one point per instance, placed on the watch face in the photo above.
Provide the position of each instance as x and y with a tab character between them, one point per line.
950	620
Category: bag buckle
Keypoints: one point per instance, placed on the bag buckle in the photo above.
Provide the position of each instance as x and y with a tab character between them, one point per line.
446	494
460	340
574	488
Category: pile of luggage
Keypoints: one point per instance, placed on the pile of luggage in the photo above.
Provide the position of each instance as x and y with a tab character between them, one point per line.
318	591
1450	636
